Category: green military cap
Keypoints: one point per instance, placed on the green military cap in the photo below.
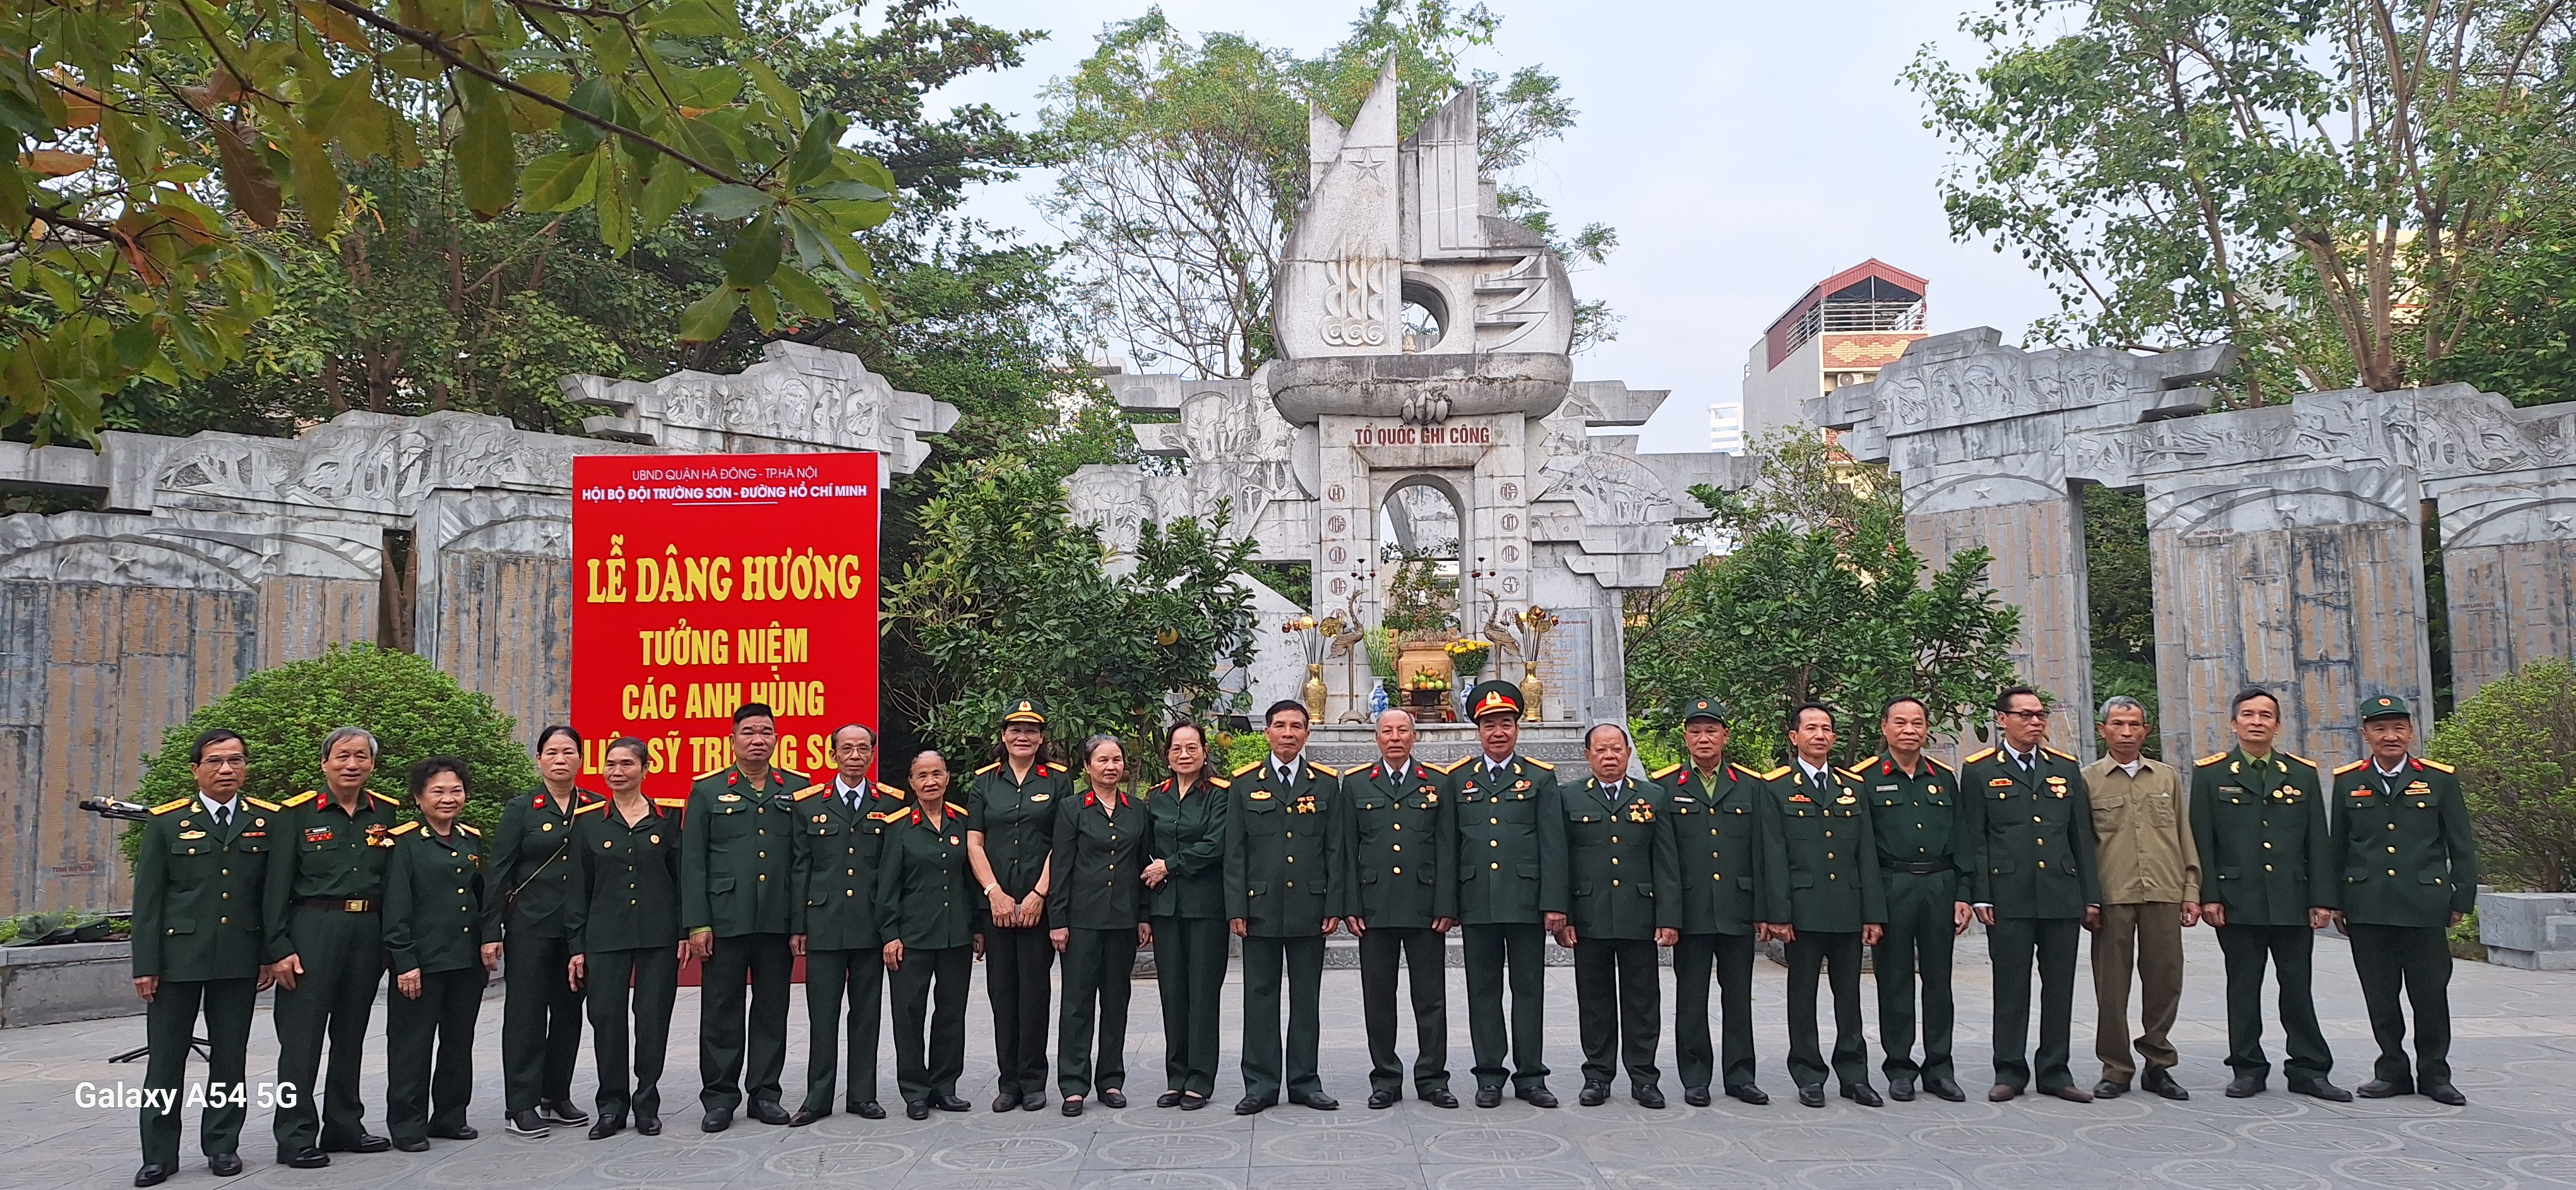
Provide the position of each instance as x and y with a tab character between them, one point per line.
1493	696
2384	706
1026	710
1702	708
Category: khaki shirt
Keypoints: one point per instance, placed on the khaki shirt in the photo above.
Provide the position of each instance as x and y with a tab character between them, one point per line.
2142	826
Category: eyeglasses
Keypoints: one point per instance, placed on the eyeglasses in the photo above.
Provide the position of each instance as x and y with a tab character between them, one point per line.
2042	713
225	762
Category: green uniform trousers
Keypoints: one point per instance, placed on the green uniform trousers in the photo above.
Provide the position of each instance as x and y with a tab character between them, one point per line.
1189	966
429	1053
1267	1069
644	983
1099	979
1921	935
725	1069
540	1021
829	974
2014	943
1619	1009
170	1024
343	955
1731	957
1837	955
1016	980
932	982
2292	953
1423	954
2415	960
1492	951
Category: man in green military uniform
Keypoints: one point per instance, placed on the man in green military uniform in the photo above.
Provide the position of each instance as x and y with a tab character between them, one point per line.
737	905
1824	897
443	936
1914	815
1283	848
1621	866
1404	856
1709	811
2410	872
197	944
1511	895
323	909
2259	817
2034	885
834	923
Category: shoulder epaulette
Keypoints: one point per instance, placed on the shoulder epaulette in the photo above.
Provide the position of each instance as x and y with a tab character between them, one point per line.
1740	770
269	806
814	790
176	803
405	828
1776	774
1247	768
1978	755
957	808
2435	765
988	768
587	808
1661	773
2350	767
1540	763
895	792
1858	772
2067	756
709	773
671	803
1936	763
1451	767
298	800
382	798
2212	758
1325	769
2301	759
1862	763
890	815
1220	782
468	828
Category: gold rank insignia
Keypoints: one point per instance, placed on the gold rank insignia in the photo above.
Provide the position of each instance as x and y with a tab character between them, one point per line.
192	834
1259	795
728	797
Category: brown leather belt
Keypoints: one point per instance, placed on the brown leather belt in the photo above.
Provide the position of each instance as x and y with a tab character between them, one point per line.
1914	868
351	905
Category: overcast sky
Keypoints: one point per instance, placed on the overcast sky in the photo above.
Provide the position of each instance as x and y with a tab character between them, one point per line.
1744	151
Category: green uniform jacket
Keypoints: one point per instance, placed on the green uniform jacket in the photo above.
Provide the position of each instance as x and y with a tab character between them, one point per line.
926	894
1916	819
1282	850
2265	850
1717	847
1819	864
1511	842
324	853
2408	857
737	856
626	880
198	891
838	850
439	907
1099	881
1618	860
1017	820
531	855
1189	837
1403	846
2029	835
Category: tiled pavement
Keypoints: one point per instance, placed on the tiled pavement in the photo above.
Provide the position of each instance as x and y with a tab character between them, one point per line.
2516	1056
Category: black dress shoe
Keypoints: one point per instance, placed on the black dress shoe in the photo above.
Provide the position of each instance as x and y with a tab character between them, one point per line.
1748	1093
413	1144
1593	1094
1033	1101
718	1119
307	1159
1073	1105
1901	1090
1438	1097
2317	1088
561	1111
1168	1099
804	1117
1946	1088
2245	1086
152	1175
2162	1082
527	1123
1652	1097
1695	1096
1193	1102
224	1165
868	1110
951	1103
1319	1101
648	1124
2106	1089
1863	1094
917	1110
1252	1105
610	1124
1539	1097
1113	1098
1489	1096
459	1132
1381	1099
2380	1088
1006	1101
768	1112
367	1142
2445	1093
1812	1095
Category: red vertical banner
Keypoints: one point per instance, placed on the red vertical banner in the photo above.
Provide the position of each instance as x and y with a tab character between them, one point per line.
708	581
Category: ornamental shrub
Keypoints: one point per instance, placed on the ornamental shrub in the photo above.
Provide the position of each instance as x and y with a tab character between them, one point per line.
2514	744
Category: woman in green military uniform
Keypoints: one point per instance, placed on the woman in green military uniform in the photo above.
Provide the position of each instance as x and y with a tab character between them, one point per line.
1012	803
622	922
1186	876
541	1013
443	935
1098	907
933	923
